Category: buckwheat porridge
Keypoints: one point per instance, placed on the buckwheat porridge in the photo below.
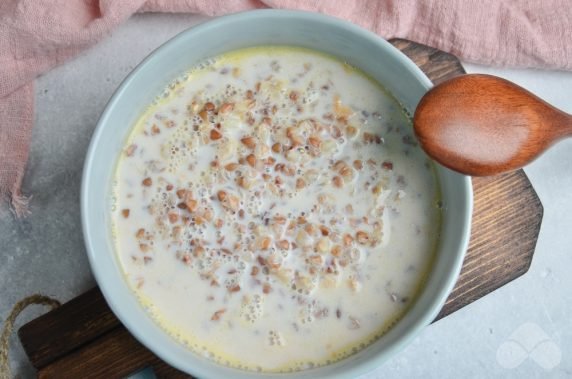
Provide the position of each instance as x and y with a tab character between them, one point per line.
272	210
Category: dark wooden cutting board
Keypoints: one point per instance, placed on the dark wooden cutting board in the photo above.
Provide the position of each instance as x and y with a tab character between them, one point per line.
83	339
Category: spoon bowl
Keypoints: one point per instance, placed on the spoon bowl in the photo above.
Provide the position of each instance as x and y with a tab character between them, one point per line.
483	125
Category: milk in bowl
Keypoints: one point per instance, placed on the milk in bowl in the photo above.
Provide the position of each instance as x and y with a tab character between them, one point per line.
272	210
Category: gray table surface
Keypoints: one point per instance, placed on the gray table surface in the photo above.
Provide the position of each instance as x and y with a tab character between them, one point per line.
520	330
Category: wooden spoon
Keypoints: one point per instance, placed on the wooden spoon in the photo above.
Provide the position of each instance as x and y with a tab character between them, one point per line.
484	125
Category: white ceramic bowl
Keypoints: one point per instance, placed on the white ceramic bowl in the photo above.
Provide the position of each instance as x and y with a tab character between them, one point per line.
349	43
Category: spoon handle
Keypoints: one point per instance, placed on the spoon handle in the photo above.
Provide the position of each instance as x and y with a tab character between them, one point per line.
562	127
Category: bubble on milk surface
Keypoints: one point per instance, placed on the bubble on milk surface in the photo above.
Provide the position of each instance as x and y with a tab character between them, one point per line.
251	308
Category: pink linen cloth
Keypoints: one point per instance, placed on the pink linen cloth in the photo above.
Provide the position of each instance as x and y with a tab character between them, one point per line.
37	35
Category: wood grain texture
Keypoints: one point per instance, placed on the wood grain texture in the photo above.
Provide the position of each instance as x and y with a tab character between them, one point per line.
84	339
64	329
436	64
114	355
506	221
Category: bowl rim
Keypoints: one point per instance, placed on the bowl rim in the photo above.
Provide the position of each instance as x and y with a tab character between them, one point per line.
465	190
